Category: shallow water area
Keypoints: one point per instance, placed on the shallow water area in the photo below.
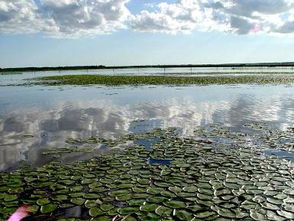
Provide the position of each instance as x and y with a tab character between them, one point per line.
36	117
175	152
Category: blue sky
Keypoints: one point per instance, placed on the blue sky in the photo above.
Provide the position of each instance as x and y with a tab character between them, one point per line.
134	32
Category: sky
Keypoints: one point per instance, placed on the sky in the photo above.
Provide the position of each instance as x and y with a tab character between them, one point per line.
141	32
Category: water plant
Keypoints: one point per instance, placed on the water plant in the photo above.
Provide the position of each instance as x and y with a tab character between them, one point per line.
161	80
204	180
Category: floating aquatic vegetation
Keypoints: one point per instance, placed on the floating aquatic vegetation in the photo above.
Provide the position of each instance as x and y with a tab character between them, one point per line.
203	180
94	140
64	150
161	80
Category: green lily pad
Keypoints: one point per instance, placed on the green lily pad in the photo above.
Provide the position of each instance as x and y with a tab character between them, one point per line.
42	202
67	182
227	213
273	216
143	181
48	208
91	196
175	189
139	190
125	186
167	194
204	214
96	212
289	208
77	201
77	188
15	190
88	181
140	196
163	211
190	189
286	214
270	206
274	201
127	210
120	192
91	203
60	197
154	190
76	195
11	204
99	189
149	217
162	184
186	194
183	215
10	197
156	199
123	197
204	196
195	208
175	204
136	202
148	207
112	212
106	207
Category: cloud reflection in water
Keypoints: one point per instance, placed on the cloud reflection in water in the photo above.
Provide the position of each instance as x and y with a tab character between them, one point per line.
109	120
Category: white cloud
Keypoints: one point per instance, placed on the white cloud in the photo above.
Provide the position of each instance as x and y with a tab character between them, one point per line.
74	18
63	17
172	18
18	16
238	16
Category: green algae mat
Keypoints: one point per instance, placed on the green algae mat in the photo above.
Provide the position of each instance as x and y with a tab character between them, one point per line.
162	80
220	174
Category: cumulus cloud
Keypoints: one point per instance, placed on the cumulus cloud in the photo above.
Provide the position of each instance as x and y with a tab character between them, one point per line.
85	17
183	16
63	17
237	16
19	16
74	18
287	27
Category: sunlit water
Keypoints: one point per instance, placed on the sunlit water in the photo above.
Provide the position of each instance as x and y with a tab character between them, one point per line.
35	117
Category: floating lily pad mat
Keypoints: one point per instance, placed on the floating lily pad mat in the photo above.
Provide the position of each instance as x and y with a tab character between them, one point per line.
204	180
160	80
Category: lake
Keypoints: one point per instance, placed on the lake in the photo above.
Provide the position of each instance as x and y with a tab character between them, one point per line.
52	114
35	118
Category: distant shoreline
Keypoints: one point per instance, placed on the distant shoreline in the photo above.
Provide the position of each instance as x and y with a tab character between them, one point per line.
99	67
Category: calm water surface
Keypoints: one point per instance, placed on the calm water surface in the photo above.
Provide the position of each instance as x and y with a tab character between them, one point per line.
36	117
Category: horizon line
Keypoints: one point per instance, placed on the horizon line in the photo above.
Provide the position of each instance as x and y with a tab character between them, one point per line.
69	67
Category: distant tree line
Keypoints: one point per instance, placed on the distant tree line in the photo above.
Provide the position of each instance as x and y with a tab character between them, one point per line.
93	67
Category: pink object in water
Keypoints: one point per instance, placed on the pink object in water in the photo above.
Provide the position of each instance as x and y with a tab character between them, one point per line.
20	213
